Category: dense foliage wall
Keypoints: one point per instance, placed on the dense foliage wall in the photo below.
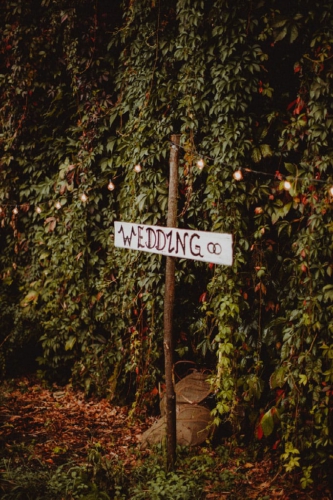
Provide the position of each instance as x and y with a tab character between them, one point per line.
88	90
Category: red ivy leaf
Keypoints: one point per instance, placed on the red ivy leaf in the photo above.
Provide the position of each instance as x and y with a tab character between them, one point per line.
259	429
260	432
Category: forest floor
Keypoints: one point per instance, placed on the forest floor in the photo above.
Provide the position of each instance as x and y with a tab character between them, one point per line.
44	430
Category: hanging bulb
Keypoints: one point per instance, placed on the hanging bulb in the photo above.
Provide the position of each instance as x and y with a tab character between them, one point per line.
84	197
1	210
287	185
15	211
138	168
200	164
237	175
58	205
38	210
331	190
111	186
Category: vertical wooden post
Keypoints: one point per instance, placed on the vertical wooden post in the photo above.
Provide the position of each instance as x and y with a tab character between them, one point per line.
168	311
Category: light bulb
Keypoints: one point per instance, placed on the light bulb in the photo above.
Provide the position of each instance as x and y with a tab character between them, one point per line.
1	210
331	190
200	164
38	210
286	185
84	197
138	168
111	186
58	205
15	211
237	175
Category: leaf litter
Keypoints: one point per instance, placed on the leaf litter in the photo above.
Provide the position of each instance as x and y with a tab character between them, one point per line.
60	425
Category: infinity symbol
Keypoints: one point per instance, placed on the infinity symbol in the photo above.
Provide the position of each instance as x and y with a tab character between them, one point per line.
214	248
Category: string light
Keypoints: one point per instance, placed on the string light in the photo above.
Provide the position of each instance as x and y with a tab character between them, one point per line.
203	157
237	175
200	164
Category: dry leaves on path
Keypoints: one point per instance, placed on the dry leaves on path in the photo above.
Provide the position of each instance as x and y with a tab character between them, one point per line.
56	425
60	425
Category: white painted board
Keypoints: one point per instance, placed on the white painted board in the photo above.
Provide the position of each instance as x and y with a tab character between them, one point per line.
174	242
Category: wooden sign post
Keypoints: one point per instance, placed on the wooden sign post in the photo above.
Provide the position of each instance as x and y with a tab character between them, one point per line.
169	299
173	242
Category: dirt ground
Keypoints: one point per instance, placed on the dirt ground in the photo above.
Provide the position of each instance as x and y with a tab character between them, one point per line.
57	425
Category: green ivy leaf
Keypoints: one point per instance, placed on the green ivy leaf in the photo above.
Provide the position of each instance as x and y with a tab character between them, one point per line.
278	378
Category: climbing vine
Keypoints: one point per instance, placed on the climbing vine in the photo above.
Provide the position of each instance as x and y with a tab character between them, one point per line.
90	95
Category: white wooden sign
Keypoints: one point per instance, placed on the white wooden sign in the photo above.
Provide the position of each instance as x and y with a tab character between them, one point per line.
182	243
